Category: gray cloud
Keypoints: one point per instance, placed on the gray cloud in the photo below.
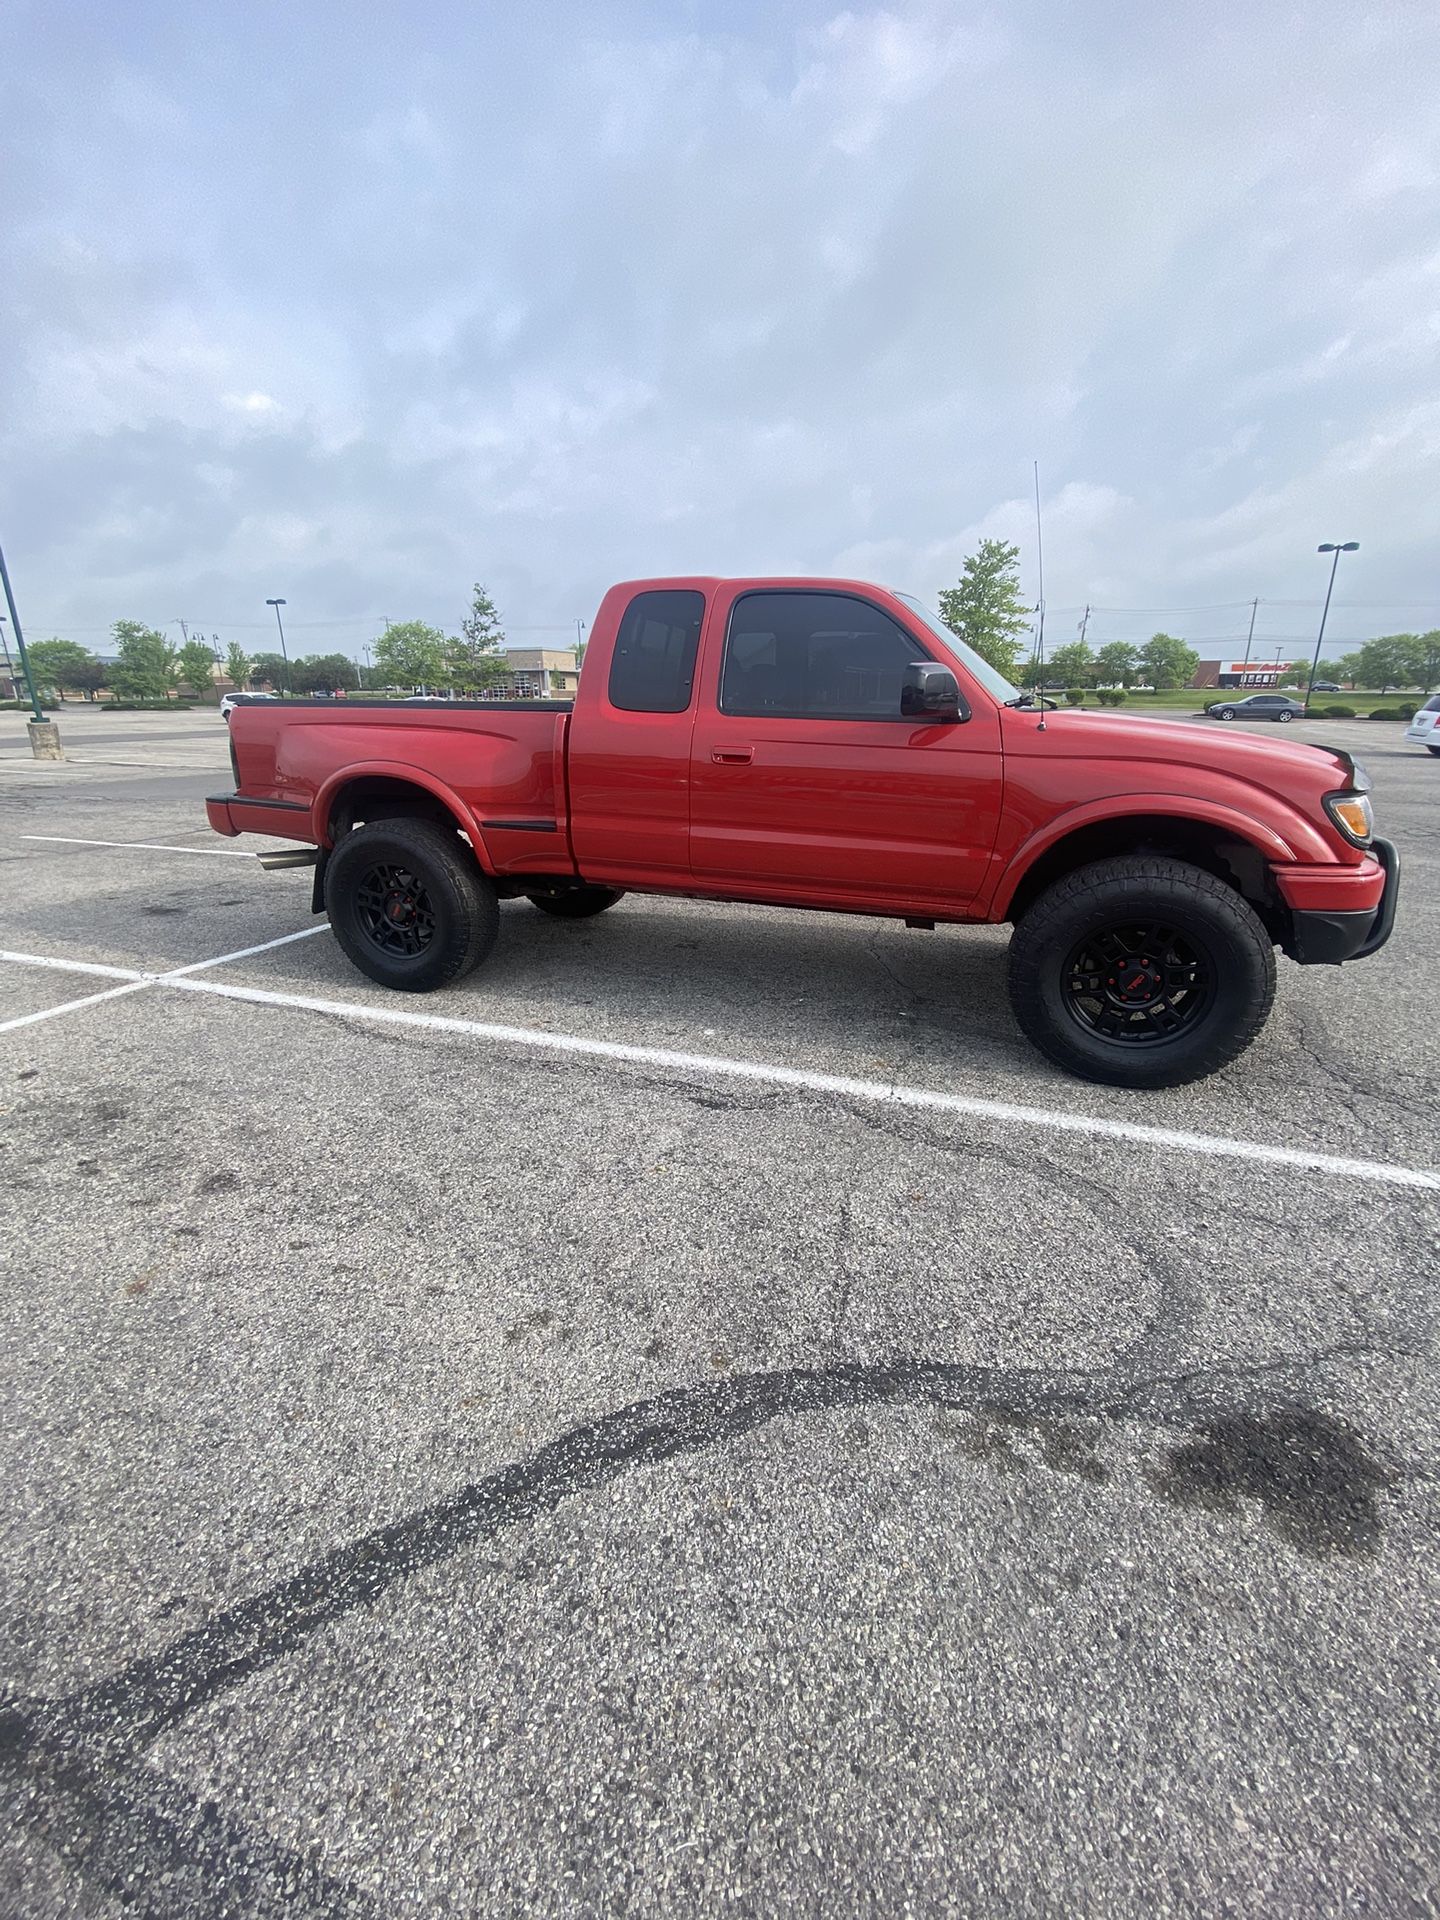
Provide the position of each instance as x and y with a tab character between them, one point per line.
316	306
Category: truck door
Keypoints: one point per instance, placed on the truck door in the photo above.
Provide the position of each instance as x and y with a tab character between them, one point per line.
629	750
806	782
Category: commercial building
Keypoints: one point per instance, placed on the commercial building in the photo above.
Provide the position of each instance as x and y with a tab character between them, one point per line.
541	673
1248	673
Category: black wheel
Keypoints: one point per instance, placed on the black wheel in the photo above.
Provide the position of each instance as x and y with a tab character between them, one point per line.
576	903
1227	713
1141	972
1432	749
1284	716
409	905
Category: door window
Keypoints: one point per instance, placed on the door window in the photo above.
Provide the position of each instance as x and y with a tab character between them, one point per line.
814	656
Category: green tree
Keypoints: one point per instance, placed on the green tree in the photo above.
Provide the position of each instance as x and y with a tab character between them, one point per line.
1425	659
1167	662
90	678
1330	670
323	673
196	664
1386	662
1115	664
1073	665
145	669
474	658
1347	669
269	669
410	654
986	609
55	665
237	664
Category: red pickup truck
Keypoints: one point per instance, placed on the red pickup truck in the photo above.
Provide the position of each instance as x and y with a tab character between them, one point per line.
830	744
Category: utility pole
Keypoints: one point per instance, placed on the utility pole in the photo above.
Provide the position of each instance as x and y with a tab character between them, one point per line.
1254	609
44	734
1084	623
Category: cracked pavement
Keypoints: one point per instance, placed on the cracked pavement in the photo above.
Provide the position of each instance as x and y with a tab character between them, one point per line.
441	1479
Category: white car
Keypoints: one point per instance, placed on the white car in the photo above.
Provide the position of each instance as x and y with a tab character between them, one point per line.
232	700
1425	727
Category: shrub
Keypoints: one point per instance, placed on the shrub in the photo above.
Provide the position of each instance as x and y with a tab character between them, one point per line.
1075	696
1334	712
148	706
1111	696
1386	713
1406	710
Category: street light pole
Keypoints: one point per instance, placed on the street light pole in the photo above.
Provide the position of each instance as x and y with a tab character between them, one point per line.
277	605
38	711
1337	548
44	734
1254	609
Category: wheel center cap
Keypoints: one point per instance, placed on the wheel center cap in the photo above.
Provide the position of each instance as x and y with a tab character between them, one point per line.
1136	983
398	910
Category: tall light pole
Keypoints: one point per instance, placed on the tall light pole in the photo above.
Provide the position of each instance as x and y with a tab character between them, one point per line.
277	605
1337	548
38	711
9	663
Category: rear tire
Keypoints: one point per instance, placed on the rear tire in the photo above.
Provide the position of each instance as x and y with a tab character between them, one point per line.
1432	749
1284	716
1193	979
577	903
408	905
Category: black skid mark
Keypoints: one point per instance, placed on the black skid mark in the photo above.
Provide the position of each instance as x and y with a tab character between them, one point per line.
75	1765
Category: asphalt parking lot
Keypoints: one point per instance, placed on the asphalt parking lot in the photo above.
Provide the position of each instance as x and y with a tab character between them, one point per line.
489	1454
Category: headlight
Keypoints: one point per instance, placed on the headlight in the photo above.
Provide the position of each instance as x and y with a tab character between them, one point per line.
1351	814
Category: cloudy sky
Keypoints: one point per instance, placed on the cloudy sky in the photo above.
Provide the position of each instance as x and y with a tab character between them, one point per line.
359	303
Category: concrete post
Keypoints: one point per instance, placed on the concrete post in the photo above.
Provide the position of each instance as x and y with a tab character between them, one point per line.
45	740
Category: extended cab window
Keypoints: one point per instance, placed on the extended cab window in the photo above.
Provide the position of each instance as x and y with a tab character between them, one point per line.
653	666
819	656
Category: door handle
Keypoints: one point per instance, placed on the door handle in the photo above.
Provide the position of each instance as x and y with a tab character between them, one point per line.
732	756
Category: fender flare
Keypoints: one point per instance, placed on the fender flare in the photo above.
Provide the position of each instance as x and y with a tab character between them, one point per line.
1233	823
409	776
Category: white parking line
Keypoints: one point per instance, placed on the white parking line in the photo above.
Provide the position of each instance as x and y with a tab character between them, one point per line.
874	1092
139	846
73	1006
73	966
244	953
877	1092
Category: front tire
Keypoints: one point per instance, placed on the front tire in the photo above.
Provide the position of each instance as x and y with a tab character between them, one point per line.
577	903
1226	713
1141	972
408	904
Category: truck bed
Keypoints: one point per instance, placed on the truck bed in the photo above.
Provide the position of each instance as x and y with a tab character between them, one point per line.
498	766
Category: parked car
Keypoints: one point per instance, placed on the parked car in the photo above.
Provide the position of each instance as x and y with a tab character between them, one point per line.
829	744
1424	729
1257	706
233	700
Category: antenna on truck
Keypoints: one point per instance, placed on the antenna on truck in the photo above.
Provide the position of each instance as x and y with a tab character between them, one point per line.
1040	609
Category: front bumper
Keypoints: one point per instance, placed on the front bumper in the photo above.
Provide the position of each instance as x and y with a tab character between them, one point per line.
1328	937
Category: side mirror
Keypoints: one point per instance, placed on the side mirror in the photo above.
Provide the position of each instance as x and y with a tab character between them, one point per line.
931	692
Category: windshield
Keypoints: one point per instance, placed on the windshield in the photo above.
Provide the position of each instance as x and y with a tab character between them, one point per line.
989	677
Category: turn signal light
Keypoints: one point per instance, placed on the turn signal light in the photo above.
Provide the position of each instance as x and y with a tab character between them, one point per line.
1351	813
